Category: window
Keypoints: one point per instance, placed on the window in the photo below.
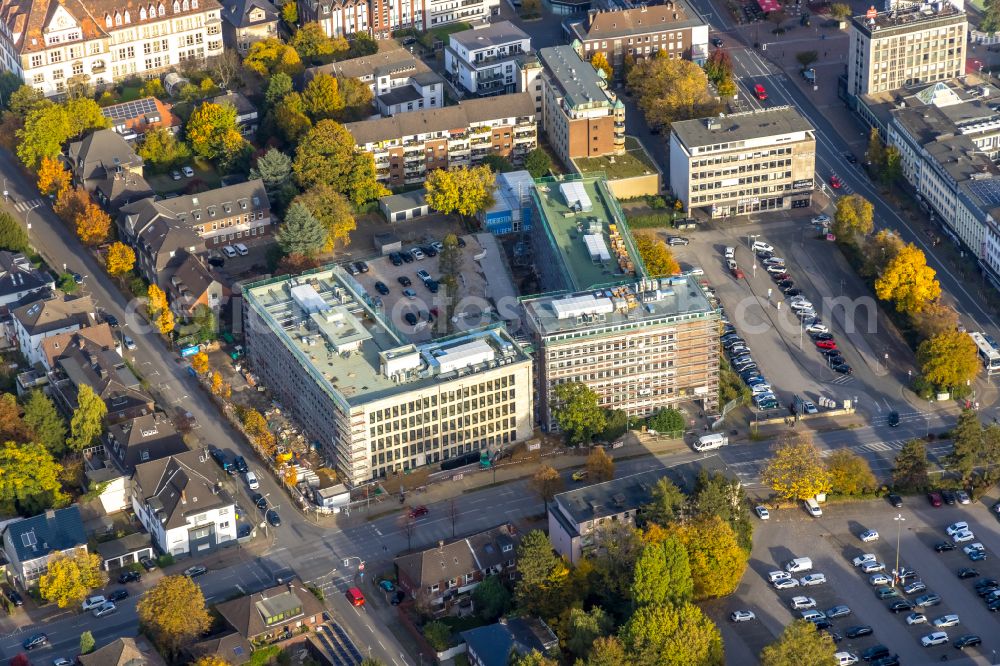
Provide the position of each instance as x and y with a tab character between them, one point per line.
36	60
77	68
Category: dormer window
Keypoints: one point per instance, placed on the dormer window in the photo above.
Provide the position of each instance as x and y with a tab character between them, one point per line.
142	14
118	18
177	7
163	10
107	20
128	17
185	6
194	4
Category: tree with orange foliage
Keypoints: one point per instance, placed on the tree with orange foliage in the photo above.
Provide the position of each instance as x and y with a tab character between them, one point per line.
70	202
220	387
93	225
52	177
120	259
291	475
200	363
159	309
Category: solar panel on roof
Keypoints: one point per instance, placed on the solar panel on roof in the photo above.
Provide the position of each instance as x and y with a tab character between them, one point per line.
128	110
987	190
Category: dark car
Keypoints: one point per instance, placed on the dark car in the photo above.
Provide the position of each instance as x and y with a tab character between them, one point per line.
717	43
240	463
118	595
941	546
821	336
111	320
823	624
259	500
893	419
418	511
381	288
891	660
273	518
834	635
843	369
219	456
875	652
785	284
948	497
967	640
792	291
361	266
987	582
830	353
406	257
993	606
13	596
859	631
396	259
987	591
851	159
410	318
900	605
195	571
403	280
244	531
432	286
34	641
148	563
763	254
967	572
129	577
429	250
397	597
895	500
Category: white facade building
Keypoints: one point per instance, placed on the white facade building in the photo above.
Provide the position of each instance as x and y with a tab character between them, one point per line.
483	61
36	321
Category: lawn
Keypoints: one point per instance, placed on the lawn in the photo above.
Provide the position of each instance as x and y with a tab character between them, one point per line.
635	162
204	171
442	33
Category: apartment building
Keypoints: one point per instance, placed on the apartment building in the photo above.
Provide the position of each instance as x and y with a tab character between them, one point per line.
31	323
101	42
408	145
483	61
442	12
743	163
248	21
906	46
641	33
580	115
399	81
339	18
375	402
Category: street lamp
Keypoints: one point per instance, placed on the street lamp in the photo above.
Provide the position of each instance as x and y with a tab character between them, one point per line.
750	239
899	526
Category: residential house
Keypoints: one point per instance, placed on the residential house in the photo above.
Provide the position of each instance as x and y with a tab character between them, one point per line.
181	503
21	282
493	644
438	576
104	371
408	145
338	18
52	44
99	156
230	646
399	81
142	439
483	61
98	337
673	27
273	614
192	284
123	652
36	321
248	21
30	543
246	112
133	119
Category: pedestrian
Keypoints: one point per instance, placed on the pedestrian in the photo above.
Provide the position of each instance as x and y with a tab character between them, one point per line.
385	548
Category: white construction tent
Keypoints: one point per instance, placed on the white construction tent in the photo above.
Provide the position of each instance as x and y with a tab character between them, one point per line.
576	196
597	248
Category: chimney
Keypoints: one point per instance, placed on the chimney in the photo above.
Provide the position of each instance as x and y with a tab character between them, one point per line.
590	18
50	514
441	546
184	497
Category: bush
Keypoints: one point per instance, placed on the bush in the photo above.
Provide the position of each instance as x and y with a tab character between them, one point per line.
438	635
165	560
138	287
67	284
667	421
651	220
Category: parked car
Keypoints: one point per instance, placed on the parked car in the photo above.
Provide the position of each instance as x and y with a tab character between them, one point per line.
195	571
93	602
813	579
967	640
868	536
129	577
13	596
742	616
148	563
802	603
949	620
916	618
967	572
963	497
875	652
118	595
927	600
936	638
944	546
107	608
895	500
762	512
188	171
273	518
381	288
900	605
859	631
838	611
955	528
866	558
915	586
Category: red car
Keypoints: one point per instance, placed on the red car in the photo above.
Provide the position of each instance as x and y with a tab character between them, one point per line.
759	91
738	273
826	344
835	182
418	511
934	498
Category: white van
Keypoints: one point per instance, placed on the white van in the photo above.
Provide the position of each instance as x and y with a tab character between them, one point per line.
709	442
798	565
812	507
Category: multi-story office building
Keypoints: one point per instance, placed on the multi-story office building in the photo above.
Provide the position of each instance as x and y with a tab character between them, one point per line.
744	162
99	43
442	12
376	402
580	115
640	344
642	32
339	18
483	61
408	145
906	46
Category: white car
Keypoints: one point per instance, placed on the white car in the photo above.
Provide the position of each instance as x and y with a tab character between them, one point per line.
252	481
916	618
864	559
241	249
868	536
730	253
879	579
762	512
694	271
188	171
107	608
963	536
129	343
761	246
845	658
817	328
229	251
808	407
801	305
973	547
802	603
774	261
937	638
742	616
93	602
776	270
785	584
813	615
761	389
822	218
954	528
949	620
775	576
812	579
731	264
872	567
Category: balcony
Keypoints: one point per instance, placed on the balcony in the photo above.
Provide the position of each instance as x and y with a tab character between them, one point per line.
458	137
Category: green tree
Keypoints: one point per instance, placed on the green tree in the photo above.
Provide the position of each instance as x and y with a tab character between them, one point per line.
300	233
45	130
617	547
656	256
88	419
717	561
450	263
322	98
537	162
854	216
840	10
533	658
13	237
807	58
546	483
719	66
616	424
875	154
541	572
327	155
667	421
584	627
274	168
892	170
438	634
333	211
278	87
46	422
498	163
490	598
357	99
30	477
910	470
795	470
663	575
213	132
174	612
670	89
463	190
719	495
26	99
801	644
362	45
990	22
311	41
87	642
666	502
577	412
9	84
672	636
850	474
607	651
949	359
161	150
968	444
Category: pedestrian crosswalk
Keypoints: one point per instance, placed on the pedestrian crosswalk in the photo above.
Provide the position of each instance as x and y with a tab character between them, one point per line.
24	206
842	380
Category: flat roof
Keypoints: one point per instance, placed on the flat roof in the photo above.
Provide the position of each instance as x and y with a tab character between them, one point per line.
580	83
734	127
493	35
908	19
404	200
567	226
330	324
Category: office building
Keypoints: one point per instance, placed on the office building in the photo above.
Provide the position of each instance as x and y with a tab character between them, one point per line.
483	61
408	145
743	163
442	12
580	115
906	46
375	402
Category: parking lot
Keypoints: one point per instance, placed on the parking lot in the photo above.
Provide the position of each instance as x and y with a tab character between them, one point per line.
832	542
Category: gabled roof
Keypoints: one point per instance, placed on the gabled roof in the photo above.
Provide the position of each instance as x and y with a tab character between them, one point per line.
643	20
60	312
141	115
143	439
123	652
121	188
270	609
478	552
237	12
494	643
190	280
106	372
50	532
230	646
239	102
17	275
391	59
178	486
102	153
92	337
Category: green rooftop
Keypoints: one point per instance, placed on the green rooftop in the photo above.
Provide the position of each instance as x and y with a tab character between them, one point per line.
635	162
